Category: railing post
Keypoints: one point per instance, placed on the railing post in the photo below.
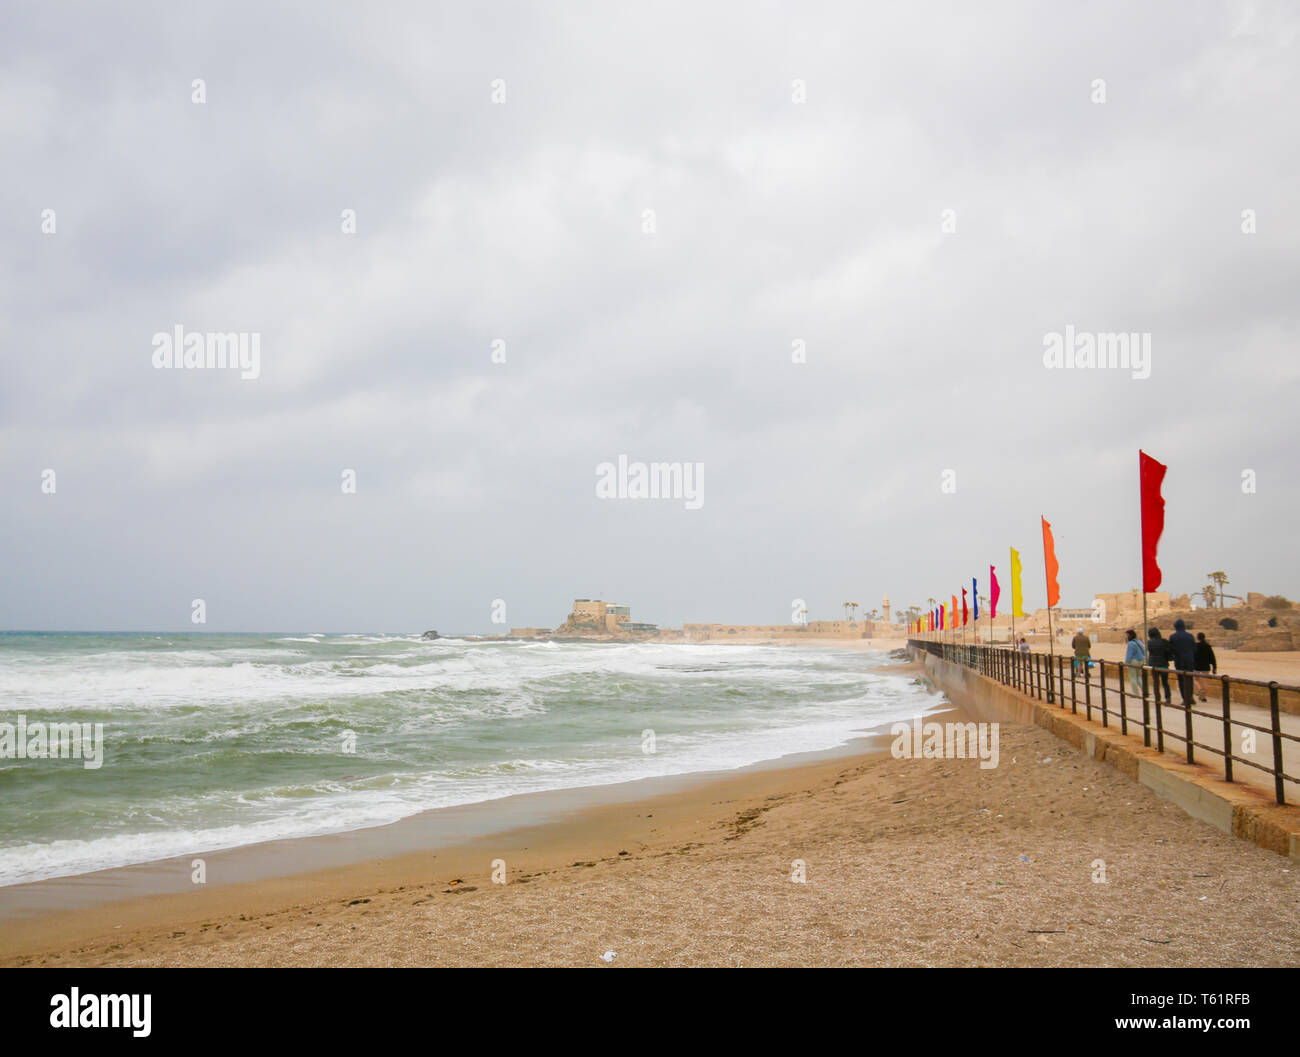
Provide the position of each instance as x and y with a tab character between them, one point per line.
1074	693
1101	668
1277	742
1146	708
1087	691
1188	710
1123	699
1227	732
1160	725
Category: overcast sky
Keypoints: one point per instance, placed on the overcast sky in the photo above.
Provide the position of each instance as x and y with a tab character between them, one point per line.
775	220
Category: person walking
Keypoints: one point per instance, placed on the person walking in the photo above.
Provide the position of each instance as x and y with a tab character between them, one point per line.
1184	648
1134	658
1158	656
1082	646
1206	663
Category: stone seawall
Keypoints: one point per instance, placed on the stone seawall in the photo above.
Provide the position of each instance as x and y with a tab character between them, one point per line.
1228	806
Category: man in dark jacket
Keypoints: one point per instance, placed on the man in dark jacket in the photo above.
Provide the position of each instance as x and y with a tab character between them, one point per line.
1205	662
1158	656
1184	648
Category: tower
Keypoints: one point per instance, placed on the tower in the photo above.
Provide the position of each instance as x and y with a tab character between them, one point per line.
886	610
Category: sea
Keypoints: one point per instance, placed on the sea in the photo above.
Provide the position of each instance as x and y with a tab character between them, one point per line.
214	741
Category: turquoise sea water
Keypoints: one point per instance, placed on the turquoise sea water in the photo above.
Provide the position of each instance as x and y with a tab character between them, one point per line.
215	741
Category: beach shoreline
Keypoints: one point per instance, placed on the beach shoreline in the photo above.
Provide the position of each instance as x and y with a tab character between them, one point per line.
160	860
865	859
446	831
851	857
533	832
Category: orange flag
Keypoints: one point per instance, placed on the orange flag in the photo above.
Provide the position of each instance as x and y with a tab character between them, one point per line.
1052	566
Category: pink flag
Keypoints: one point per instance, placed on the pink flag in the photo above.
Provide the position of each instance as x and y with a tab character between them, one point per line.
994	591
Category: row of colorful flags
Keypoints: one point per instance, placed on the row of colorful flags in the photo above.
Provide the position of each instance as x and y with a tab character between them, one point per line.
945	616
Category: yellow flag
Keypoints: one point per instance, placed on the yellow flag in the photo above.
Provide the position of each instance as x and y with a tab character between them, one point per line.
1017	598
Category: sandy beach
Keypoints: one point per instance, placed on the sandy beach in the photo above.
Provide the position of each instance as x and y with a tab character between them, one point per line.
908	862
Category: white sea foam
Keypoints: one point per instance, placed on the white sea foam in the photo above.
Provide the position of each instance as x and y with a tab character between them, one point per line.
255	730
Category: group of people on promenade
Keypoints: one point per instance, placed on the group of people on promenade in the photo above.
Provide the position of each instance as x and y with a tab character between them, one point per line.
1193	659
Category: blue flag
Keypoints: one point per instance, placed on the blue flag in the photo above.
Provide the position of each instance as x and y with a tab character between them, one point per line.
975	598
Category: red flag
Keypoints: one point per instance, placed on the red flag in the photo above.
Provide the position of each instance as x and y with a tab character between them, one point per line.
1151	474
954	611
994	591
963	607
1052	566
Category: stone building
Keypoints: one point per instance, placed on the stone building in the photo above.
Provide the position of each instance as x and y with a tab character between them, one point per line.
594	615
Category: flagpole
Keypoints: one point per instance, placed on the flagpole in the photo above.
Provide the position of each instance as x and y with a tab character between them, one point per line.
1014	645
1051	637
1051	633
1051	651
1142	558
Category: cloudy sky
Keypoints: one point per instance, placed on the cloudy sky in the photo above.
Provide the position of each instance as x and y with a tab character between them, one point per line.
799	162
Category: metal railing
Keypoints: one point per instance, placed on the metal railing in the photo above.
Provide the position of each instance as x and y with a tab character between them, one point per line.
1058	679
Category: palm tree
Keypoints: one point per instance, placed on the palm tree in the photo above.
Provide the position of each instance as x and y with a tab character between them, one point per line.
1207	592
1220	578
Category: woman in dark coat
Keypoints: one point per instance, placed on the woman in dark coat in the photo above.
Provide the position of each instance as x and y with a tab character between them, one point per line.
1206	662
1158	656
